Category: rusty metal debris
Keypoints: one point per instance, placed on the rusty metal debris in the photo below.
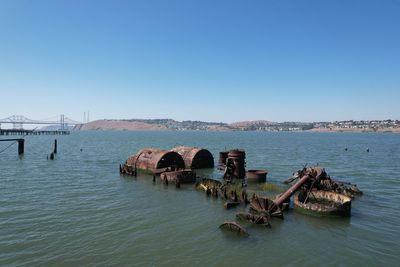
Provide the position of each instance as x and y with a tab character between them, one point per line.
320	180
234	227
231	204
258	176
323	202
270	207
256	219
312	174
319	193
312	187
265	207
230	192
178	177
235	165
210	186
223	155
195	158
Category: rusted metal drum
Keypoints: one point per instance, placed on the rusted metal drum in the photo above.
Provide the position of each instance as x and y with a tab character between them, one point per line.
155	160
223	155
195	158
258	176
236	160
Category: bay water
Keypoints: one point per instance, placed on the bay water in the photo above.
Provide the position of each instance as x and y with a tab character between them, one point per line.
77	210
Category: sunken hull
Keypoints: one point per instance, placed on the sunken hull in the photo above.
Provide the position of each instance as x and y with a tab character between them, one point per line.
323	203
154	160
195	158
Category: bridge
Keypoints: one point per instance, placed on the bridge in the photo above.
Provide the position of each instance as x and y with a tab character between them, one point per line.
18	121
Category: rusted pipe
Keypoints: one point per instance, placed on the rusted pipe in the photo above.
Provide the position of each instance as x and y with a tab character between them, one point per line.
315	172
292	189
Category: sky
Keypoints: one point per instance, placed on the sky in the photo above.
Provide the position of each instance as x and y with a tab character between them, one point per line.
221	61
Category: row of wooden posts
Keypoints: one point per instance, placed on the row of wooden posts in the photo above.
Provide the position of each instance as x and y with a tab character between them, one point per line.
21	146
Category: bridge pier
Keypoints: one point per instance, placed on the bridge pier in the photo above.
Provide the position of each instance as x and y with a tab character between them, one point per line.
32	132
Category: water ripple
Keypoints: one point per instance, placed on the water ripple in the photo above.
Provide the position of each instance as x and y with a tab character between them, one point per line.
77	210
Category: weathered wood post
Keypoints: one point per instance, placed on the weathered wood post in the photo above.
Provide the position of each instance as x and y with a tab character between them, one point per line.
55	146
21	143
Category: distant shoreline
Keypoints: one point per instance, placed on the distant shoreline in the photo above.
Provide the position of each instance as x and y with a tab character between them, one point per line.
346	130
297	131
251	126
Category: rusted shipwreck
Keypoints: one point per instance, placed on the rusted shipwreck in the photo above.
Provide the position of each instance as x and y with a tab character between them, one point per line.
313	189
321	194
173	166
314	192
153	160
320	180
323	202
158	160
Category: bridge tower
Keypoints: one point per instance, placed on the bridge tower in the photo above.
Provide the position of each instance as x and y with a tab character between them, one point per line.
17	122
62	120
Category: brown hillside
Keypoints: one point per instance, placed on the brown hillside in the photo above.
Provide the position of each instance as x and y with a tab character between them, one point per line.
121	125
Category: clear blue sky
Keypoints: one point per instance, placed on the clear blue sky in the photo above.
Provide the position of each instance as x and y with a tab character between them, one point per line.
201	60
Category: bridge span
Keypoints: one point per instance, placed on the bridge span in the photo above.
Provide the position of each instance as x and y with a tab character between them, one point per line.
18	121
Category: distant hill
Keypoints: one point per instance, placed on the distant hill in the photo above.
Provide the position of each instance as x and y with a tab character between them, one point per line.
153	125
169	124
258	125
251	124
123	125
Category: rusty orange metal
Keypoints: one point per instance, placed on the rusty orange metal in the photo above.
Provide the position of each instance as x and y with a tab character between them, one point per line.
235	164
258	176
195	157
223	155
155	160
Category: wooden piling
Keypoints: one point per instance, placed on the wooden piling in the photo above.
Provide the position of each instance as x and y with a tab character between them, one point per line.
21	146
55	146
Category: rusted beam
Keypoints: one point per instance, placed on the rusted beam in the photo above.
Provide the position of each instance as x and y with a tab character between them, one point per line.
292	189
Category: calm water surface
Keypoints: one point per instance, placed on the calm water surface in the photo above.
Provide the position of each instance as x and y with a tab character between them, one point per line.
77	210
